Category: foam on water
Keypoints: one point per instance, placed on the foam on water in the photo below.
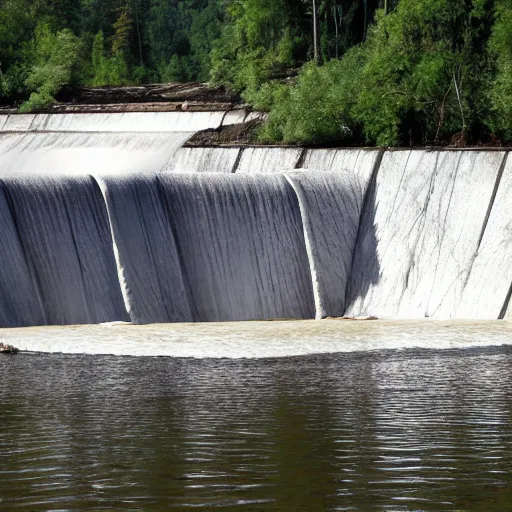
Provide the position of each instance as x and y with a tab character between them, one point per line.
259	339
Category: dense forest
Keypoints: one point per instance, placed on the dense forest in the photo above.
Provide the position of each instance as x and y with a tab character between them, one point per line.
384	72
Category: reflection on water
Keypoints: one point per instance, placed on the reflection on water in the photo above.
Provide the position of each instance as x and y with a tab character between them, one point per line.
396	431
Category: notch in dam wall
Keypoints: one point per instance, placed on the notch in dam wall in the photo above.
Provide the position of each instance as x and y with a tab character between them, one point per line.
129	225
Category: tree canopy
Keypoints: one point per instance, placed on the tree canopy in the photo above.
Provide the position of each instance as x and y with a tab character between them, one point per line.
384	72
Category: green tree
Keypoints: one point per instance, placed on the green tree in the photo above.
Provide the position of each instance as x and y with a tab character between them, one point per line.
500	91
420	77
54	58
259	41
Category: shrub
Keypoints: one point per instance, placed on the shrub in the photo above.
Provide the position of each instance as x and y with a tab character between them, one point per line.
111	70
500	91
53	57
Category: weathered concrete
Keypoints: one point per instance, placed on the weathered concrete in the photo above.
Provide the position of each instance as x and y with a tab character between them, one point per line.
420	233
488	285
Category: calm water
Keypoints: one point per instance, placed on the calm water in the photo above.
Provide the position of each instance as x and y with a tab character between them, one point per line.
398	430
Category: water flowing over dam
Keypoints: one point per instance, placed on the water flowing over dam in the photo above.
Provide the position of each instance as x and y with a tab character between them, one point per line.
107	217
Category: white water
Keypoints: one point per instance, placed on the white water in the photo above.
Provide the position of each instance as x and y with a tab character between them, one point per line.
259	339
61	227
268	160
116	122
84	153
88	220
331	204
204	160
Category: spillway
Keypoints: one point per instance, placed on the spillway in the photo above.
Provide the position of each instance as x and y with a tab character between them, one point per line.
108	217
100	143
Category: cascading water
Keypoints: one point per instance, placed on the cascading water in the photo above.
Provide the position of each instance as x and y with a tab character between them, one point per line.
95	210
204	160
268	160
100	143
63	231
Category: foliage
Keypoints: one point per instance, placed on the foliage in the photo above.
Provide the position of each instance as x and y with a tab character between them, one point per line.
420	77
392	71
107	70
500	91
259	41
318	107
54	58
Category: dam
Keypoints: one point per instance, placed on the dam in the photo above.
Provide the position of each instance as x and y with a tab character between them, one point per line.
110	218
164	396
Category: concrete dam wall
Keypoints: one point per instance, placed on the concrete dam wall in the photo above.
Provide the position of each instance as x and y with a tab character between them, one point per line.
108	218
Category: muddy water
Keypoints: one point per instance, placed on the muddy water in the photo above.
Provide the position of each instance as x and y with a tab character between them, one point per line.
404	429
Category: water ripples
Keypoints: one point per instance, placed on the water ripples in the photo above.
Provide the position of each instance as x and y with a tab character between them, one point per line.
384	431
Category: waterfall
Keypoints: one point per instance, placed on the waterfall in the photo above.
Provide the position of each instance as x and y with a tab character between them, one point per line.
204	160
331	205
117	122
99	143
81	153
20	303
210	248
63	243
268	160
107	217
356	163
149	267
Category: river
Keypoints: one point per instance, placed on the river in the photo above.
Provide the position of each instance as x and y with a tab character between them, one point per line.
366	429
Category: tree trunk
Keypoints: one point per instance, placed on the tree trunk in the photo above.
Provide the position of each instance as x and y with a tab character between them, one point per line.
337	27
139	37
315	33
365	2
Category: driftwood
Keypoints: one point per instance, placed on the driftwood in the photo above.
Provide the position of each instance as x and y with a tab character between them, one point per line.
152	93
7	349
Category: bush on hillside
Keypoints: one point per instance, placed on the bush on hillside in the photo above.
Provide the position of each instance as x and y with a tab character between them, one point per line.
53	57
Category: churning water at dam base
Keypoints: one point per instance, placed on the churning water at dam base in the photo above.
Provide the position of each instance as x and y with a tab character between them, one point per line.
259	340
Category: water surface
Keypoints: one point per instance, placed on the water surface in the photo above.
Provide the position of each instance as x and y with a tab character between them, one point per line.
404	430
